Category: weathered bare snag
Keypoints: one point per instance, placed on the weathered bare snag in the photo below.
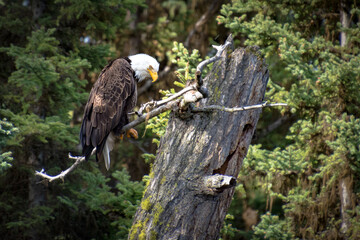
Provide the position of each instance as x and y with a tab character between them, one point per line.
199	158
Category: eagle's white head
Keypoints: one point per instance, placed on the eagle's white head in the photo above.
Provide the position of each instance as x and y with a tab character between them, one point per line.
144	66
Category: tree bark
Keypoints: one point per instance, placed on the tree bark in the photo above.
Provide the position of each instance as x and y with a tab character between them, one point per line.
200	156
345	182
345	16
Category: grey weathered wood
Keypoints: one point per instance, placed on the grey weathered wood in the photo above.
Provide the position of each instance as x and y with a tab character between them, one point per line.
194	174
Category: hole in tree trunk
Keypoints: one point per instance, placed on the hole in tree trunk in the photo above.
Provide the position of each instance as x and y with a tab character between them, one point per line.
221	170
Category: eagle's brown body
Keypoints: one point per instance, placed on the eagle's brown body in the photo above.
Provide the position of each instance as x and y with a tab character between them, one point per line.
112	97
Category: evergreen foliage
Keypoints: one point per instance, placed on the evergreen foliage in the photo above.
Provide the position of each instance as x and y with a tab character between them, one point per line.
51	52
6	129
48	89
48	58
186	63
319	80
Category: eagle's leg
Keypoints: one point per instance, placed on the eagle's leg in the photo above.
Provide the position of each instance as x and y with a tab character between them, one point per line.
130	133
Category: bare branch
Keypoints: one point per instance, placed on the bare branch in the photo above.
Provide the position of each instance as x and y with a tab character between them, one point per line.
190	97
151	114
212	108
176	95
154	104
79	159
218	183
220	49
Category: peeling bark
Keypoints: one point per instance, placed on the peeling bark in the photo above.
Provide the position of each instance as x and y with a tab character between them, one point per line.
200	155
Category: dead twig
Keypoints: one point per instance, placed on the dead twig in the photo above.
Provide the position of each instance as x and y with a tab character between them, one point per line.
212	108
42	173
220	49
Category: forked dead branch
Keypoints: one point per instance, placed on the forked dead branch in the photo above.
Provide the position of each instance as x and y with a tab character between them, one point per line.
192	93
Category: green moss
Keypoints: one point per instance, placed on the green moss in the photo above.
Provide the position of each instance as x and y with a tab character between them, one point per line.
153	235
151	174
163	180
148	179
216	94
142	235
158	209
254	50
146	204
138	226
134	229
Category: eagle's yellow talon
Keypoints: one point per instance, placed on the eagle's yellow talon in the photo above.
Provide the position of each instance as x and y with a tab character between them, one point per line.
132	133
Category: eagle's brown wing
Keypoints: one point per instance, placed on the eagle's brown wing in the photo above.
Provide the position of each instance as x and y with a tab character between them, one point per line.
111	98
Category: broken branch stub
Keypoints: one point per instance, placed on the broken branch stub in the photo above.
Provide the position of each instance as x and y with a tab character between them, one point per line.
200	155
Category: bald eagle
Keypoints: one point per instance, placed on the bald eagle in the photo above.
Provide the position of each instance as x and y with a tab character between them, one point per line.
112	97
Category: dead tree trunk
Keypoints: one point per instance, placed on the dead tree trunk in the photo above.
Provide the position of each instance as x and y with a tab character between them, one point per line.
199	158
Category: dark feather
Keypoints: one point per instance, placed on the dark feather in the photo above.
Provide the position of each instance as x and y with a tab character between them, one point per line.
111	98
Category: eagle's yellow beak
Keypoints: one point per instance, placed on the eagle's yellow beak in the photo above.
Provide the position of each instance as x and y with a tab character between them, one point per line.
153	74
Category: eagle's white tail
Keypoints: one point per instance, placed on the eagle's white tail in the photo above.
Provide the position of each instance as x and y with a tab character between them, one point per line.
109	145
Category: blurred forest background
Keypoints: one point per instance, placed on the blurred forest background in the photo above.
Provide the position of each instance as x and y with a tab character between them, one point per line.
300	178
